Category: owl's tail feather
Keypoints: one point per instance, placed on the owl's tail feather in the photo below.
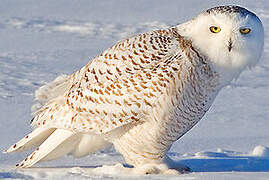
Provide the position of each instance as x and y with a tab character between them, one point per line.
56	143
35	137
59	143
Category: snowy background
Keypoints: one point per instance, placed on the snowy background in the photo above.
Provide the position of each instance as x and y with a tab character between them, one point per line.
40	40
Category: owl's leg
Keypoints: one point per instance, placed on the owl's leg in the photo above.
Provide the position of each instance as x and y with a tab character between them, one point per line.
143	150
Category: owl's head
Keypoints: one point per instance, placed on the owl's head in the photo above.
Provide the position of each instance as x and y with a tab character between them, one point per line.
230	36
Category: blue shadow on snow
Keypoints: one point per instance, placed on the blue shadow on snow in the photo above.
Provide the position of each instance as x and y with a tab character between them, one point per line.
224	164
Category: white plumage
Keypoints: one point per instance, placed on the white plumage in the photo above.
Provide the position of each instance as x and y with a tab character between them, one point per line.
145	92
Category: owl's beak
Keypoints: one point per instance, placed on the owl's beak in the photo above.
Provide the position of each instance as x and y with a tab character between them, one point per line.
230	45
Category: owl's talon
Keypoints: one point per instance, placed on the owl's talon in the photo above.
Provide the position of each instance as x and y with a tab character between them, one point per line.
156	169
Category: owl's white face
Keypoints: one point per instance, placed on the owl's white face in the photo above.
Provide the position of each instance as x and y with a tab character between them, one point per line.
230	36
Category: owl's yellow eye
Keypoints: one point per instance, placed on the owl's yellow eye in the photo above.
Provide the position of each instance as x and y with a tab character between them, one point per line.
245	30
215	29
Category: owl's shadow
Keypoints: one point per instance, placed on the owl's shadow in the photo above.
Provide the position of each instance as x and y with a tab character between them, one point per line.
224	164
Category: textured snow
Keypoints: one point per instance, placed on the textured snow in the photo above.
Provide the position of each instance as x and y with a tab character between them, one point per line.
40	40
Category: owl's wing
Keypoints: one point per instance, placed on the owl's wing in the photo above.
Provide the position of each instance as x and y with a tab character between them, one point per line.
118	87
121	86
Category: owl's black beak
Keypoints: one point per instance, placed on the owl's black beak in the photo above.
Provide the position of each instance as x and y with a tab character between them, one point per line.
230	45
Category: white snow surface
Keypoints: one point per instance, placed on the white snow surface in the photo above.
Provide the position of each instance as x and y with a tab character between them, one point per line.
40	40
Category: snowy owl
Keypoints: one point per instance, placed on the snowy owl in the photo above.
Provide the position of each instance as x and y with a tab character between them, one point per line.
145	92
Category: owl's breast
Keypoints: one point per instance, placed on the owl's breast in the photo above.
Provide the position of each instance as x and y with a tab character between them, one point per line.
186	101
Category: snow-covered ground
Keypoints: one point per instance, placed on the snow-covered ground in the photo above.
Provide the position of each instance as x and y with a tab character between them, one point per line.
40	40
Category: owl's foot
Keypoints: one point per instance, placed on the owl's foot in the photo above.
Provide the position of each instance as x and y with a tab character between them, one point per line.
161	169
182	169
155	169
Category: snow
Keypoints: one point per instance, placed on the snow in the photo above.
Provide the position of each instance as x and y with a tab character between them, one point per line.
40	40
261	151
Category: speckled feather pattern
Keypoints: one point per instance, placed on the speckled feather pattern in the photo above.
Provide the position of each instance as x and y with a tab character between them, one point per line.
155	83
230	10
